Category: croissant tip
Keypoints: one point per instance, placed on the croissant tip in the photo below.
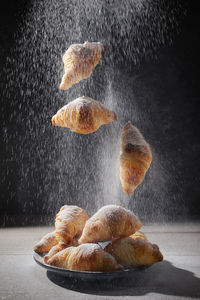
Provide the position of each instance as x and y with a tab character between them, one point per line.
36	249
53	261
53	121
127	125
46	259
159	256
156	252
62	87
128	191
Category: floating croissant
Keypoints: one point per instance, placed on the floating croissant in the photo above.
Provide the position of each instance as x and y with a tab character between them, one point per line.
86	257
135	158
83	115
131	252
69	223
111	221
79	61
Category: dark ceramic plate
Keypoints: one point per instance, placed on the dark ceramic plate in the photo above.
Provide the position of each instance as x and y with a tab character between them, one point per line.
85	274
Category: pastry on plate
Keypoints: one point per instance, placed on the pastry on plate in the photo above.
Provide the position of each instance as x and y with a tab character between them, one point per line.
134	253
111	221
58	247
86	257
70	222
46	243
139	235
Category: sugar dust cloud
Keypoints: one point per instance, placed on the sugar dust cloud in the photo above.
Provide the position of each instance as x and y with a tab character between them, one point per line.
48	166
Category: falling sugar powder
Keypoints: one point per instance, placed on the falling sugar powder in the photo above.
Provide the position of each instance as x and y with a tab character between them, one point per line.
46	167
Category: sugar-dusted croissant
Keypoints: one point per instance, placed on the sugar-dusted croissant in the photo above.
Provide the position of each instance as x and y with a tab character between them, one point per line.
83	115
69	223
135	158
139	235
60	246
46	243
55	249
134	253
79	61
109	222
86	257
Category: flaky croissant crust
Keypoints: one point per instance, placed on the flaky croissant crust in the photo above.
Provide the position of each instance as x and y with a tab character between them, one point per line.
135	158
83	115
46	243
132	252
139	235
79	61
111	221
58	247
86	257
69	223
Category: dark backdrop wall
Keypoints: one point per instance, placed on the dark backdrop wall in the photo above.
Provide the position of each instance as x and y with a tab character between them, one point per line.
148	74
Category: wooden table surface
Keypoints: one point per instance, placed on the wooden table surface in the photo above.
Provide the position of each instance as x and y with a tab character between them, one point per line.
177	277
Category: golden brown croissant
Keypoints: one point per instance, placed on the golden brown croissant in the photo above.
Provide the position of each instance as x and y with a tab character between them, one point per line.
86	257
69	223
109	222
134	253
46	243
135	158
60	246
79	61
139	235
83	115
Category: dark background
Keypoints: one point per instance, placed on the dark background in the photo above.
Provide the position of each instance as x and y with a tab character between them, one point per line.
44	167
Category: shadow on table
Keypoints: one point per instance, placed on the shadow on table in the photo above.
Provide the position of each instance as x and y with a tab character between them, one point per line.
162	278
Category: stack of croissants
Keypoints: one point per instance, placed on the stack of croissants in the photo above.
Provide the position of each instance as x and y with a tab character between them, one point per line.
75	242
108	241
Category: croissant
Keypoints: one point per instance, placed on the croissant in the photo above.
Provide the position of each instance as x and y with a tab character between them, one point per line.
109	222
79	61
69	223
135	158
83	115
134	253
60	246
46	243
139	235
86	257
